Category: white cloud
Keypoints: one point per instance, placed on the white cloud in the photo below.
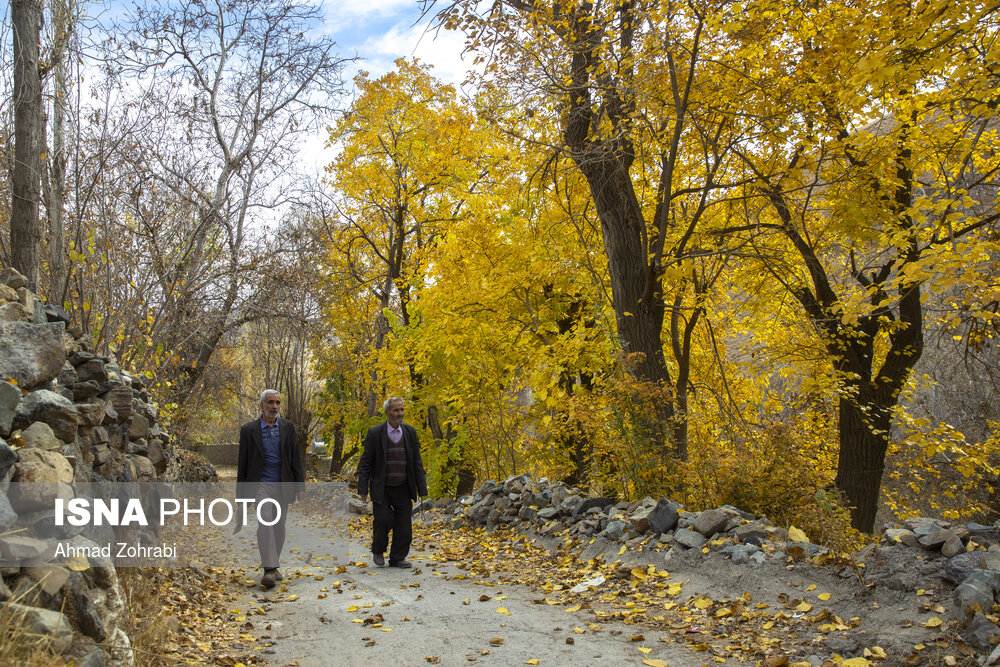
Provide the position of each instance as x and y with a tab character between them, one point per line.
441	49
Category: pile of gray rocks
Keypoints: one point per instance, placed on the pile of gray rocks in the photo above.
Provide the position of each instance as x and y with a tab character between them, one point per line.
968	554
67	416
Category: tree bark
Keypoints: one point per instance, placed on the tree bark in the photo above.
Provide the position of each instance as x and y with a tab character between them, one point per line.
863	444
25	232
56	181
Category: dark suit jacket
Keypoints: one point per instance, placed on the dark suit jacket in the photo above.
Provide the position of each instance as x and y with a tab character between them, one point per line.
250	466
371	467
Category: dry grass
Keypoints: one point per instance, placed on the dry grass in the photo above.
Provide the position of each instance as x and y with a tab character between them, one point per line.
148	628
20	646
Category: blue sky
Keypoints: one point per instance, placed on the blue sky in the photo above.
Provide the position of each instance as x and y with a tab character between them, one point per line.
380	31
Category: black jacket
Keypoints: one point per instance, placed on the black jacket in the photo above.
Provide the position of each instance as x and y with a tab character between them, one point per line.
371	467
250	466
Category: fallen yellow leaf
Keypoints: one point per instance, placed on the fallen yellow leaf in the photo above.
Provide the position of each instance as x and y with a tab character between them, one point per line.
655	662
643	649
804	607
503	610
823	596
876	652
932	622
533	661
856	662
575	607
703	603
796	535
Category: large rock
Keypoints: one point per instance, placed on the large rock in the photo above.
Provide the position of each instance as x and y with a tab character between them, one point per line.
664	517
144	470
972	596
49	407
84	390
20	548
159	460
44	622
50	578
92	413
8	457
40	436
589	503
39	465
755	530
10	396
91	369
39	478
138	427
689	538
120	398
54	313
88	616
31	354
640	519
8	517
952	547
14	312
12	278
958	568
710	522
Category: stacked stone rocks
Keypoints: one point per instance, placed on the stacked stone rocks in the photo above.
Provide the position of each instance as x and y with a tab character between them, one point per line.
67	416
967	556
975	573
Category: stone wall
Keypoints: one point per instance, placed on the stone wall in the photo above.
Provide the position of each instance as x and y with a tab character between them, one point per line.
68	416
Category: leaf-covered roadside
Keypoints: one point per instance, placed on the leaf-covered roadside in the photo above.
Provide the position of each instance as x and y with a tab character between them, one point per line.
799	621
186	616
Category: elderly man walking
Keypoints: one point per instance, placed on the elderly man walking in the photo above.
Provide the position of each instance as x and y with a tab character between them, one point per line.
392	471
270	469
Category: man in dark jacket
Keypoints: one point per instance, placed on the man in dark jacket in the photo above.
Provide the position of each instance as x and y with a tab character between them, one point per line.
392	471
270	471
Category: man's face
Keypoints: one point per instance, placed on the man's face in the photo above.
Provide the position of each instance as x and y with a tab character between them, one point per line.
395	413
271	407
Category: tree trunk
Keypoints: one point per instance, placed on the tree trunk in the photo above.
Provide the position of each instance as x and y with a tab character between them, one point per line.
338	457
25	232
639	316
637	296
863	444
56	180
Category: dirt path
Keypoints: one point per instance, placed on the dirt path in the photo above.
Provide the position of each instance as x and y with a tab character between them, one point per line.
336	608
498	598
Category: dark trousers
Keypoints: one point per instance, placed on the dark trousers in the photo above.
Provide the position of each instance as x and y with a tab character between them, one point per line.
270	539
394	513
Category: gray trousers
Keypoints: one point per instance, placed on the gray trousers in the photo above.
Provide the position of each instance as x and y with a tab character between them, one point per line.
270	539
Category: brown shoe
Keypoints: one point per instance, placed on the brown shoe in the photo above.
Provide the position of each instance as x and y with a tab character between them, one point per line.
267	581
278	575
